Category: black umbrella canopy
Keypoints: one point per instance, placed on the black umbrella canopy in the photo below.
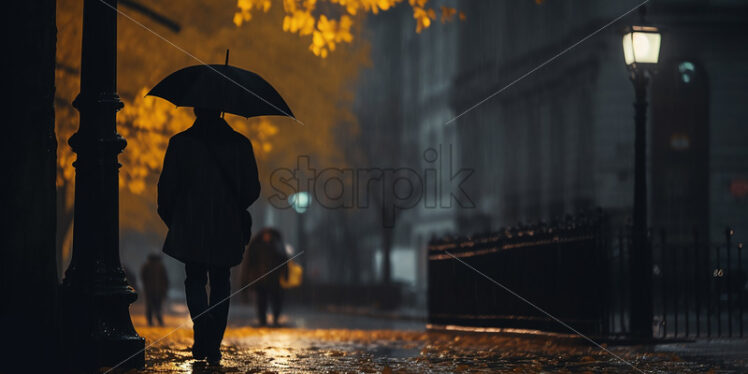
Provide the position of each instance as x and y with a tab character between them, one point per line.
223	87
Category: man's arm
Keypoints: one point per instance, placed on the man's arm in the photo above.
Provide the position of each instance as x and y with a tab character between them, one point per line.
167	184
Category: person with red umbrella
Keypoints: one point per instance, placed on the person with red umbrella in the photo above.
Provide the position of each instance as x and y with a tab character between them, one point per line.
208	181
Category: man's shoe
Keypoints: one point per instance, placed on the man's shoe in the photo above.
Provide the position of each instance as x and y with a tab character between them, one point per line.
214	359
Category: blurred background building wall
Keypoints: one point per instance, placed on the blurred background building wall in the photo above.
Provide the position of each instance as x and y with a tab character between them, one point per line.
561	140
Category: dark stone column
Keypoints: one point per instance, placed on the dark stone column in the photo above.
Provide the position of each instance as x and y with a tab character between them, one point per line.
28	275
96	294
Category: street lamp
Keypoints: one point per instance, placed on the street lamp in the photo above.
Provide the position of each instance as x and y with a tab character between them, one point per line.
300	202
641	51
641	47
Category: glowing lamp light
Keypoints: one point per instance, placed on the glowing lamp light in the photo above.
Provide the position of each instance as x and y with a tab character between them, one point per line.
641	46
300	201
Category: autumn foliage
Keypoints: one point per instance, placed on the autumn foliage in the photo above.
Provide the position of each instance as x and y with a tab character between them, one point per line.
303	17
318	90
318	86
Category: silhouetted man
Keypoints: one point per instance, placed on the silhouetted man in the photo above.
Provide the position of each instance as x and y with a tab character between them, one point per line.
266	253
155	284
208	181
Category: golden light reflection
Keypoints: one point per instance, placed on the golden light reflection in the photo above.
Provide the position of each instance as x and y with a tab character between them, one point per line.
299	350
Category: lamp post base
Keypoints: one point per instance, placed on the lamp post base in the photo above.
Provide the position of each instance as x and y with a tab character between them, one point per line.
114	340
123	352
98	332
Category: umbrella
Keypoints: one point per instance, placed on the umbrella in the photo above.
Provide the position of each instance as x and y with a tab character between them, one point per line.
223	87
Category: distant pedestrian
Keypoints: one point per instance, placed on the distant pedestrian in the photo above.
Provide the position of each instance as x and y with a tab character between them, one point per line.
209	179
266	264
155	285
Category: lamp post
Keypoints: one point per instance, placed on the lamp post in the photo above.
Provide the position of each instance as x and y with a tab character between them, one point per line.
97	328
641	50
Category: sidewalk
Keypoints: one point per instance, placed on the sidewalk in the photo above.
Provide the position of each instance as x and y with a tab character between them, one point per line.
316	341
732	352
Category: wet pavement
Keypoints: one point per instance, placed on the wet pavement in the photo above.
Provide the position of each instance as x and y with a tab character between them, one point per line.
319	342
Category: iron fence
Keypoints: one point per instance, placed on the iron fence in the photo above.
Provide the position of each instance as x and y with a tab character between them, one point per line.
558	267
699	288
577	270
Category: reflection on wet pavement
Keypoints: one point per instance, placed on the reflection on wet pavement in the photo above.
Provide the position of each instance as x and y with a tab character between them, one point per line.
306	350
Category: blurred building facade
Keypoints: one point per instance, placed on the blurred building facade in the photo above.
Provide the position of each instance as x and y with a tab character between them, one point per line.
554	142
560	140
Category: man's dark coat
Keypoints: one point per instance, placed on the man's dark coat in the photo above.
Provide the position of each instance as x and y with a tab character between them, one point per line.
194	200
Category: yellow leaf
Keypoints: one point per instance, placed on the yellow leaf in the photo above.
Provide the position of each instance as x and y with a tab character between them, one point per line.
303	18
